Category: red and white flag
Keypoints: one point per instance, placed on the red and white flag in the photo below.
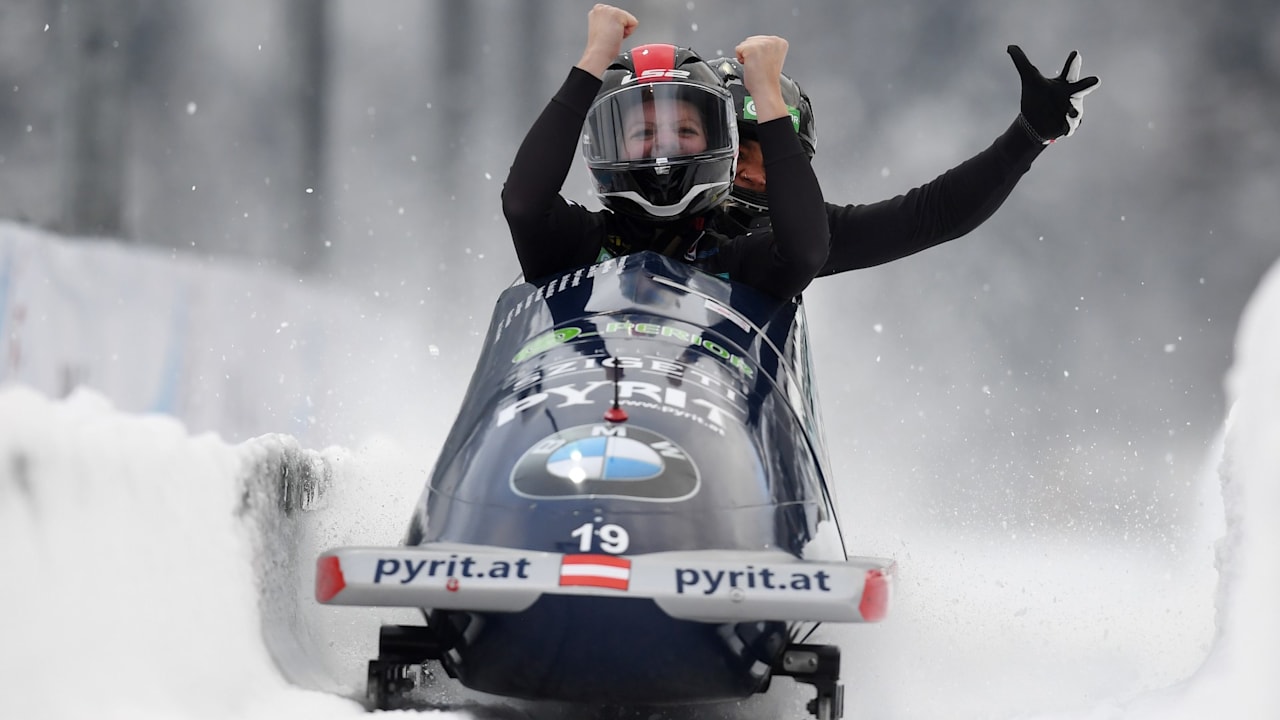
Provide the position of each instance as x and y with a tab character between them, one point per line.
606	571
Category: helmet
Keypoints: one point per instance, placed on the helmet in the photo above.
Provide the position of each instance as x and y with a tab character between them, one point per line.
661	142
731	75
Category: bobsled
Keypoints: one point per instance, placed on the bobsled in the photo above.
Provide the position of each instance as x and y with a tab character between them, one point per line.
633	507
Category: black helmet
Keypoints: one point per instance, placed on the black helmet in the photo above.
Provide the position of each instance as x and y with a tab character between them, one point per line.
731	75
660	140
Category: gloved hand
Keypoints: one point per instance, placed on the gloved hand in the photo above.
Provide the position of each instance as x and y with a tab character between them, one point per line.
1051	107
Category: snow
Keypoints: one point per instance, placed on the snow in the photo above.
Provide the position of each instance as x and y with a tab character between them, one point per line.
149	572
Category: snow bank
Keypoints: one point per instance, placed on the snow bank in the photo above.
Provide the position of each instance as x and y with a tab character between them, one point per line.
150	573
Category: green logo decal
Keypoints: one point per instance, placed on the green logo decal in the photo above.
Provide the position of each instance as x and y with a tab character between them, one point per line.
681	336
749	112
545	342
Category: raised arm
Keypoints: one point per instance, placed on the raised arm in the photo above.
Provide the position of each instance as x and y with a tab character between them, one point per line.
961	199
800	232
549	233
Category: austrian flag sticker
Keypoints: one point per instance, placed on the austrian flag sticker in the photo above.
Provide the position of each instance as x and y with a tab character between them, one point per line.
604	571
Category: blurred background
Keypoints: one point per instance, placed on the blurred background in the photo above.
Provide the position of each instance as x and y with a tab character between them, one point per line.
1059	370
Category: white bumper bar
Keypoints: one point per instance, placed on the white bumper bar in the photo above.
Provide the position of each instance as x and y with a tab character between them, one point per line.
706	586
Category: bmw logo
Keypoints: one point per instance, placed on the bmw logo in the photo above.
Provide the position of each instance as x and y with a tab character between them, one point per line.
605	458
606	461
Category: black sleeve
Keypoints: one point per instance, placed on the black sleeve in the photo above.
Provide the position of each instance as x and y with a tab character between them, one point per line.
551	234
797	247
944	209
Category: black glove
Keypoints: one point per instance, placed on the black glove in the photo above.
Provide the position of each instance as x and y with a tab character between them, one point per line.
1051	108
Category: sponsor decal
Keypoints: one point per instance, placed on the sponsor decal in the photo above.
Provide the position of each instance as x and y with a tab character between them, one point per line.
732	582
604	571
606	460
545	342
549	340
631	393
728	388
679	335
656	74
405	572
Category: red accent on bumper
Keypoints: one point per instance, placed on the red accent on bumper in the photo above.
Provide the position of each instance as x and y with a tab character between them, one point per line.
875	597
329	580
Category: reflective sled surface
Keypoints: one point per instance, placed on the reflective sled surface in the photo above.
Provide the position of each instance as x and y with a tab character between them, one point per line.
633	505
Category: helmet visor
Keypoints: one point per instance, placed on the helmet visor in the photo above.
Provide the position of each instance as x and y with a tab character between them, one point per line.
661	120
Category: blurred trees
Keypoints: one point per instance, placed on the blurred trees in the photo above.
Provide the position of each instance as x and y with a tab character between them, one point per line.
95	39
305	68
97	76
96	135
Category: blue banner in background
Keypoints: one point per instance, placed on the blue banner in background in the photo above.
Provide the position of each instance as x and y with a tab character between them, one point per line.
232	349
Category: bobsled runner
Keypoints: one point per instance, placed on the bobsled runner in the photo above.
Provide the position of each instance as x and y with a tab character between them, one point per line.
633	506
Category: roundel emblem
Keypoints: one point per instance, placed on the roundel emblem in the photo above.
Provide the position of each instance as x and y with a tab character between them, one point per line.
606	460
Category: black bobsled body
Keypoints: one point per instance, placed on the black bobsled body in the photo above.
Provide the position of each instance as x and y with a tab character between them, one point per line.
639	466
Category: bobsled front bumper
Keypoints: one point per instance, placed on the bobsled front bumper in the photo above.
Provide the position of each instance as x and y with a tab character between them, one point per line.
711	586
